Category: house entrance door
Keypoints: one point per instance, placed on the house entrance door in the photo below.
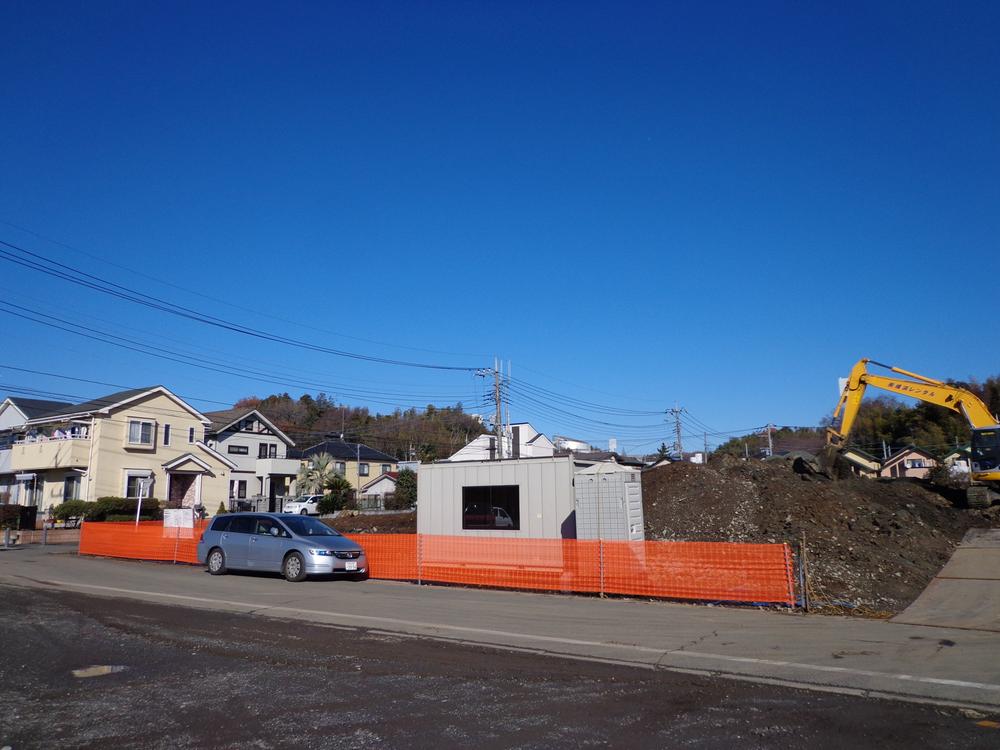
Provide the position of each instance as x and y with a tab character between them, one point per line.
182	490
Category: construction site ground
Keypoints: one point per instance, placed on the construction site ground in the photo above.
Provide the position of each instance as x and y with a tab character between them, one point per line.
872	545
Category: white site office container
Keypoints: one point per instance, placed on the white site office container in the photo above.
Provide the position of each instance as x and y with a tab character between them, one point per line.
609	503
544	496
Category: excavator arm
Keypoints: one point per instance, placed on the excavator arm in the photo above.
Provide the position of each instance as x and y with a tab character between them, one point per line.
913	385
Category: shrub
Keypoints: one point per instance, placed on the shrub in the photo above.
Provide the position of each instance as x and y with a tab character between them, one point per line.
406	490
221	510
330	503
123	506
119	518
71	509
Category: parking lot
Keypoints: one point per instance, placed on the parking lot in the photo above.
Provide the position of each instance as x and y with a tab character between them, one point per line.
345	664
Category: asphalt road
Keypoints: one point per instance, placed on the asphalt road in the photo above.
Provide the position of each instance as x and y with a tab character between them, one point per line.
177	677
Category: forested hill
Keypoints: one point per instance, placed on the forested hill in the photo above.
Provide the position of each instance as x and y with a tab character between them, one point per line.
885	419
427	434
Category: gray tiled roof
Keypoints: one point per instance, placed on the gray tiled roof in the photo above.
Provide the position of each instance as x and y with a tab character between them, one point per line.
32	408
343	449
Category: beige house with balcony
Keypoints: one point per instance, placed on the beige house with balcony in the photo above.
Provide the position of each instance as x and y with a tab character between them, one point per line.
142	440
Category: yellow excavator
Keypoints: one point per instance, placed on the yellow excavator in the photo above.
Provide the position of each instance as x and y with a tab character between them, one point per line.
984	487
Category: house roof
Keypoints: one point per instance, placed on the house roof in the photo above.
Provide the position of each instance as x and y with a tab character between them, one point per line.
342	449
112	400
393	475
862	454
226	418
908	450
32	408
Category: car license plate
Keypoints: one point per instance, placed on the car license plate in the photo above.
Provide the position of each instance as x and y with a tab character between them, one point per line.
351	565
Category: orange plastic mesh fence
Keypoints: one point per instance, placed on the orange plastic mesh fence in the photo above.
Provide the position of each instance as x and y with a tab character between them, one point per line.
150	540
705	571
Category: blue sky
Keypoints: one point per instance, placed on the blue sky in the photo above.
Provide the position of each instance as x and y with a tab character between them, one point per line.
716	205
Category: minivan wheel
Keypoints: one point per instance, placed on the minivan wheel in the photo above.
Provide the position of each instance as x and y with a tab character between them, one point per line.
216	562
294	568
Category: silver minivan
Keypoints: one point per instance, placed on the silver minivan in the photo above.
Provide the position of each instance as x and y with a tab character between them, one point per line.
295	546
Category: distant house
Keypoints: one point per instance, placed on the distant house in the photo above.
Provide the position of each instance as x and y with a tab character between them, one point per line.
382	485
958	460
862	464
519	440
911	461
356	462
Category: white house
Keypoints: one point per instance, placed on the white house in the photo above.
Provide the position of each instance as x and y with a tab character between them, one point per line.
519	440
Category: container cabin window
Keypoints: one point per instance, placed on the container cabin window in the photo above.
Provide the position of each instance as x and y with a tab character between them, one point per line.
140	432
492	507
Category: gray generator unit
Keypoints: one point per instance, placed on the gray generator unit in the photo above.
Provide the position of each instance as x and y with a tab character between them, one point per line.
609	503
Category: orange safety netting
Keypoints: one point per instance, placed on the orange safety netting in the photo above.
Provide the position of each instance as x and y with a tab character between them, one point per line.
149	540
704	571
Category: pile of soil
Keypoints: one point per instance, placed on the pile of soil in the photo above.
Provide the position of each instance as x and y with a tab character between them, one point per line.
353	522
872	545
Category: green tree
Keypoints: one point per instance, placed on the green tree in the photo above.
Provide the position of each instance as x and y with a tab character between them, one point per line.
336	493
315	476
663	451
406	489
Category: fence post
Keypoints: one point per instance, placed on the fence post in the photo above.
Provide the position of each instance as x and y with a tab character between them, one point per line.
420	558
600	543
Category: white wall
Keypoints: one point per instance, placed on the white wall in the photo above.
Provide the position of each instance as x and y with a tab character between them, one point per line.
545	496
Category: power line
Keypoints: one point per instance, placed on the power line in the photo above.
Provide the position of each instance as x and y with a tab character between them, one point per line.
110	288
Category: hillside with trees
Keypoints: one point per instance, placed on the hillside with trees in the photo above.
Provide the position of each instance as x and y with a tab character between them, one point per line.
425	434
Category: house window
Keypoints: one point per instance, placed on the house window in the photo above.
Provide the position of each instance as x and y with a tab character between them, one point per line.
341	468
386	468
140	432
71	487
494	507
272	450
238	450
166	434
190	434
362	470
232	488
262	450
241	489
132	485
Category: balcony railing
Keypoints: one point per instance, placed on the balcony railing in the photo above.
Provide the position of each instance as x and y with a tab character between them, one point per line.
50	453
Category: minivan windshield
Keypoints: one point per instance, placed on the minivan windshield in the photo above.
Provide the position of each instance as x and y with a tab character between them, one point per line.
305	526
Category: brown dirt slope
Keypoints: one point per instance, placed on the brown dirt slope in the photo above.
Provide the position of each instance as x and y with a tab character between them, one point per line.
872	543
371	523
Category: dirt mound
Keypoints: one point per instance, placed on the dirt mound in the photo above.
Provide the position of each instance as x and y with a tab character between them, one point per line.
374	523
873	544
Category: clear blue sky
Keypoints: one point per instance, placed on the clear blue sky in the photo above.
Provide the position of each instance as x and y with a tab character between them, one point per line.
720	206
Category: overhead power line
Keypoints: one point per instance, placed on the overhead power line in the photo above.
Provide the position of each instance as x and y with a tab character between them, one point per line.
96	283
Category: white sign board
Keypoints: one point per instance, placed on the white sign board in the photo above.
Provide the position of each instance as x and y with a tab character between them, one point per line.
182	518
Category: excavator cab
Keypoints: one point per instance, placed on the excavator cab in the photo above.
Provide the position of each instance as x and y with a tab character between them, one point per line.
985	450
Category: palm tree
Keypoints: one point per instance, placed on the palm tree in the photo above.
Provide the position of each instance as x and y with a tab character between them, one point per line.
315	476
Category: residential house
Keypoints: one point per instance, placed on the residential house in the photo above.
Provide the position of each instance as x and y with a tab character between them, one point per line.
356	462
862	464
264	473
958	460
910	461
15	411
519	440
380	486
141	440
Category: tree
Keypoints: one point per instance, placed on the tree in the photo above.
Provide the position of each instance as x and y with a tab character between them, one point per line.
336	493
663	451
315	476
406	489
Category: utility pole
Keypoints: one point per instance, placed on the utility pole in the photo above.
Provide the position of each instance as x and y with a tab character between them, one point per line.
770	441
705	458
498	419
678	446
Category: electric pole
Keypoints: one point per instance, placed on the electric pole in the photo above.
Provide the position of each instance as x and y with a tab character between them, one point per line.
770	441
678	446
498	419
